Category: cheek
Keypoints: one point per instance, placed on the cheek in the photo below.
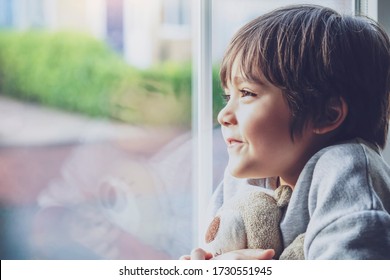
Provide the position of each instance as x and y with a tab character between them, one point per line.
268	129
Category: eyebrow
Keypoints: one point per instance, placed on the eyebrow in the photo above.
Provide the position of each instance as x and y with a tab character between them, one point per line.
259	81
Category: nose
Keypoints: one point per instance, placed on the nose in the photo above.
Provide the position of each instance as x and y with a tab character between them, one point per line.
226	116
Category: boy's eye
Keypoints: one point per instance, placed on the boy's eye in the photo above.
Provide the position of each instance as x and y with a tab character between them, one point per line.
245	93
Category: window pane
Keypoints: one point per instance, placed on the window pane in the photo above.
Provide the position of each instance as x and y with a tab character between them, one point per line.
95	135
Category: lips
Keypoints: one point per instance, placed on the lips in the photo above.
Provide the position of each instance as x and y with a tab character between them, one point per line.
232	142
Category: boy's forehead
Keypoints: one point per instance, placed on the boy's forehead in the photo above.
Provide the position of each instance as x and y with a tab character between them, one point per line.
240	73
239	79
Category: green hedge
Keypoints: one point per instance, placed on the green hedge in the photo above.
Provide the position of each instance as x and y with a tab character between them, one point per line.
66	70
79	73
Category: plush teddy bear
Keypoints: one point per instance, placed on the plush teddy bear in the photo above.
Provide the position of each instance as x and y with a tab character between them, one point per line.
251	220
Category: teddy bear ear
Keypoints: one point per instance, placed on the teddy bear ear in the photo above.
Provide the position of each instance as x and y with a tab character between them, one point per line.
283	195
212	229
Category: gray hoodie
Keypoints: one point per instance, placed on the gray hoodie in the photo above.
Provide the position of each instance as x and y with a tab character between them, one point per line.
341	200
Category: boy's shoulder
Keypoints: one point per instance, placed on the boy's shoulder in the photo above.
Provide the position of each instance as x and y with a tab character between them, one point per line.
353	154
346	169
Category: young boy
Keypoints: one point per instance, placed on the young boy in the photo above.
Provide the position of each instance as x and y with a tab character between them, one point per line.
307	93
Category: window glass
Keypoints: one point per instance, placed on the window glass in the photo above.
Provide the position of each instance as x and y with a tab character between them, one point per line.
95	133
5	13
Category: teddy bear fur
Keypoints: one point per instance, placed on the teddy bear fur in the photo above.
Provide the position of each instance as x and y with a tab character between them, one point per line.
251	220
295	250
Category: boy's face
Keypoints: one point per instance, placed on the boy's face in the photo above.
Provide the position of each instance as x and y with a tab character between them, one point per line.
256	127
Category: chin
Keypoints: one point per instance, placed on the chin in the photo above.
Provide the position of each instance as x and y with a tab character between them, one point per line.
244	172
247	167
237	172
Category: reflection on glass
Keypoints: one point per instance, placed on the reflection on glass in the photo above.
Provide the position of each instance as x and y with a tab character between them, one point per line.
95	142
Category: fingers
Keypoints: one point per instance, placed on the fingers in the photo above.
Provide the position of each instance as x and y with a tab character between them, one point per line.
244	254
197	254
200	254
247	254
257	254
267	255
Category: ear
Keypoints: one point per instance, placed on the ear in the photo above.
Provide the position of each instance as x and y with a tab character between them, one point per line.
336	112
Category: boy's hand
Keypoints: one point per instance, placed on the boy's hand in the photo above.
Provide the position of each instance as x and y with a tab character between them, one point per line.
197	254
244	254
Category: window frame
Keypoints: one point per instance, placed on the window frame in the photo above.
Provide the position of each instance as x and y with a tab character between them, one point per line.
202	114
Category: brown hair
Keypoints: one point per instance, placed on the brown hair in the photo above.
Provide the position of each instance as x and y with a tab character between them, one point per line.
315	54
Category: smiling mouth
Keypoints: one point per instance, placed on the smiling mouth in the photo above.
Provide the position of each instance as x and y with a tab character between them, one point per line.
233	142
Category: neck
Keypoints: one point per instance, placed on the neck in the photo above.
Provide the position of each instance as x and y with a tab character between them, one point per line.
290	183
